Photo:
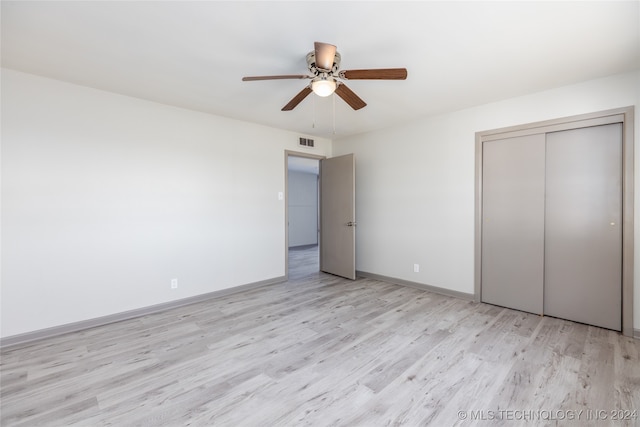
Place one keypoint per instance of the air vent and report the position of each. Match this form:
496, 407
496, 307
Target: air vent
306, 142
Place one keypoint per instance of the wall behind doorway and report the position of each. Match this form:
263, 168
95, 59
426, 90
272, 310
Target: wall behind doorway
303, 208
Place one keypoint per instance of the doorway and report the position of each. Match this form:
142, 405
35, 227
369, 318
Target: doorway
333, 190
303, 214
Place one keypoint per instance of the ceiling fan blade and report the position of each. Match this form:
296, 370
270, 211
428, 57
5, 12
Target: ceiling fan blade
350, 97
325, 54
375, 74
297, 99
283, 77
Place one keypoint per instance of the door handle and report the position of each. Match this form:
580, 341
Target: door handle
351, 224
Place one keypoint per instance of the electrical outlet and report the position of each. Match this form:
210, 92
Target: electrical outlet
416, 268
174, 283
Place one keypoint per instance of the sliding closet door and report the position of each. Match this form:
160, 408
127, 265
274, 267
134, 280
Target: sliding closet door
513, 222
583, 227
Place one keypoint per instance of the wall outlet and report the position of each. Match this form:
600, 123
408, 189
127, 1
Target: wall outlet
174, 283
416, 268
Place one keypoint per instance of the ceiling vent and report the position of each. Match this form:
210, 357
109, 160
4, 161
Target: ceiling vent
306, 142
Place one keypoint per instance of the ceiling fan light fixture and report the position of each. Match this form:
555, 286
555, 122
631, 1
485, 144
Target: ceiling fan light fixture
326, 77
322, 86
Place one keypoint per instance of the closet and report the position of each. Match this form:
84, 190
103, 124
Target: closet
551, 218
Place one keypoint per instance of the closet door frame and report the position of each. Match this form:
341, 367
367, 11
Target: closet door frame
621, 115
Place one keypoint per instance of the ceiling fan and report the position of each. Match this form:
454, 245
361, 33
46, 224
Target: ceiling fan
324, 65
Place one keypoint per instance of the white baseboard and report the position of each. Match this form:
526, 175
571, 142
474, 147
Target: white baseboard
27, 337
421, 286
118, 317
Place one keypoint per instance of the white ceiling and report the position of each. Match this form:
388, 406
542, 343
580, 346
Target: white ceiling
194, 54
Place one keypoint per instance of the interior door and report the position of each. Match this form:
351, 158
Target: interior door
583, 254
338, 216
513, 222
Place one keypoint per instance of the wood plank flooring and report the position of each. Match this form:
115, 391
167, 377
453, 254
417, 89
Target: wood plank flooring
321, 350
303, 261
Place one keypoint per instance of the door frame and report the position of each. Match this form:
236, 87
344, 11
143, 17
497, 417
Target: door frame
287, 154
623, 115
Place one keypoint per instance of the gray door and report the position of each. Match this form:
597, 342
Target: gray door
513, 222
583, 236
337, 216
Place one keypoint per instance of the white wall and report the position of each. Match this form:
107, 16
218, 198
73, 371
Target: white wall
303, 208
415, 182
106, 198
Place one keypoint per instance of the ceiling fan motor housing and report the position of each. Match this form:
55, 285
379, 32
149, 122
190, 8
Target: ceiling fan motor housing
311, 63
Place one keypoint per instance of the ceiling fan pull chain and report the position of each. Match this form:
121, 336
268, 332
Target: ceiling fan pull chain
313, 113
334, 113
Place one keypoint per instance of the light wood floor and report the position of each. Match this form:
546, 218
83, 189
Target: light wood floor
303, 261
320, 350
